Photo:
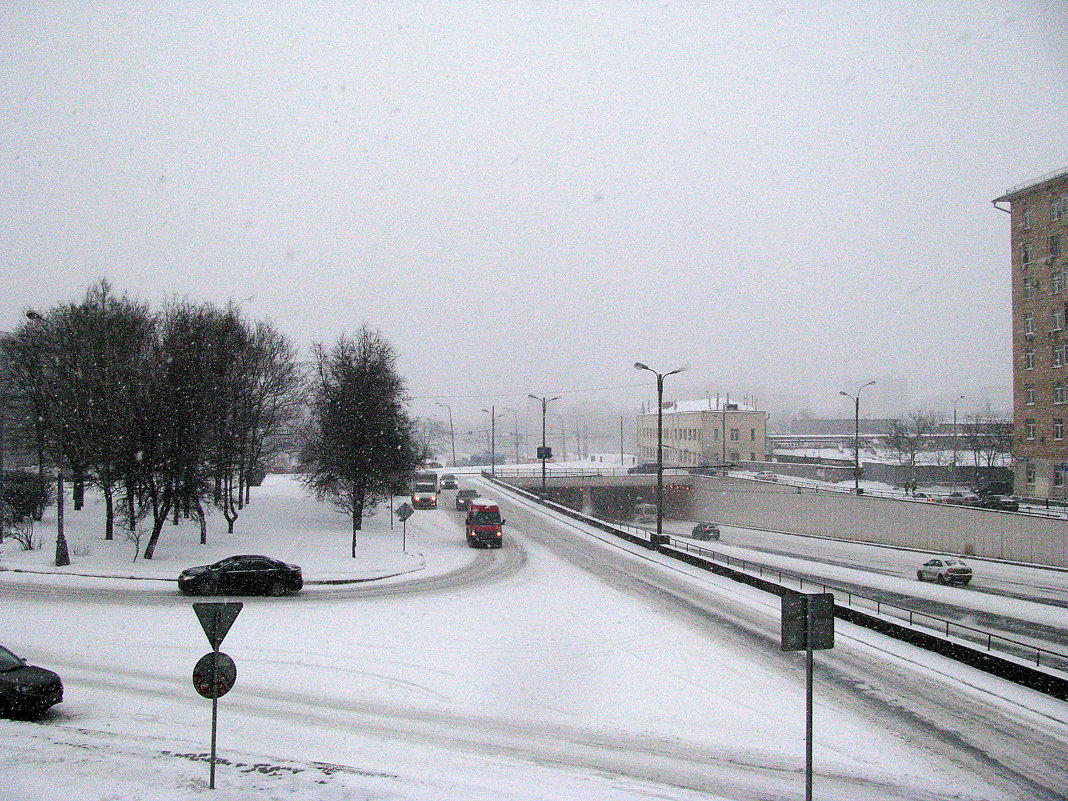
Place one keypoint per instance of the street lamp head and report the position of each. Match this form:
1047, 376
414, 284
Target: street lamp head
33, 315
677, 370
640, 366
843, 392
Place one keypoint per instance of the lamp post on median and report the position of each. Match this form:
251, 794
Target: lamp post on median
856, 435
492, 412
953, 479
543, 451
659, 537
452, 433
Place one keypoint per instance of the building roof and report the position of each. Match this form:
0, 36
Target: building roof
702, 405
836, 427
1036, 183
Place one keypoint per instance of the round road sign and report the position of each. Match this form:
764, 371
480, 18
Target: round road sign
214, 674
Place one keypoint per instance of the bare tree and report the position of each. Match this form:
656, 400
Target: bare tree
989, 438
359, 443
907, 438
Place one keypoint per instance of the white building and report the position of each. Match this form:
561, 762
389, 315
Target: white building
705, 431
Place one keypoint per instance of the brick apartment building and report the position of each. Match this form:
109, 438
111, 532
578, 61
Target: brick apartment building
704, 432
1039, 234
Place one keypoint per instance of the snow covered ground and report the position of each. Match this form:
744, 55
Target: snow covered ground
439, 672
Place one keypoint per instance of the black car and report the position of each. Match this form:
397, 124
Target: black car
24, 688
463, 499
247, 574
448, 481
705, 531
1002, 503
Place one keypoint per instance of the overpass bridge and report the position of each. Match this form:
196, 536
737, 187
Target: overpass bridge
811, 510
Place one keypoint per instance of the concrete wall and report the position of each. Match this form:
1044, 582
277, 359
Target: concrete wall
914, 524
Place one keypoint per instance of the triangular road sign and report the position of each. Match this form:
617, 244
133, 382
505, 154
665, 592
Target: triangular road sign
216, 619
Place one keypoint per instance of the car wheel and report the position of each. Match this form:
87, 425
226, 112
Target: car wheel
940, 578
209, 587
277, 588
919, 575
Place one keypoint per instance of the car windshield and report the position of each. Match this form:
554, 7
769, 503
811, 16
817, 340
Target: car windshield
486, 517
424, 487
8, 661
954, 563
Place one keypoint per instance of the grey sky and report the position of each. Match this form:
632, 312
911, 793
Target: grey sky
791, 199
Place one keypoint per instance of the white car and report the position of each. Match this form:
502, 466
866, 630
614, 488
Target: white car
766, 477
944, 570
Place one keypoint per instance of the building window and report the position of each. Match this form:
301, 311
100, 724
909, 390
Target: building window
1030, 286
752, 435
1058, 318
1058, 428
734, 435
1025, 256
1029, 473
1029, 428
1056, 282
1029, 360
1058, 477
1060, 354
1029, 324
1029, 395
1027, 218
1054, 245
1058, 206
752, 457
1059, 395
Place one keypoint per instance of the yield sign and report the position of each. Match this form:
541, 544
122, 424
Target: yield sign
216, 620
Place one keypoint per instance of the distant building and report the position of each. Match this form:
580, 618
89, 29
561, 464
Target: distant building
703, 432
1038, 220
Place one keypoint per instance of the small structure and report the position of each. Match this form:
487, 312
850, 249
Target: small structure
707, 431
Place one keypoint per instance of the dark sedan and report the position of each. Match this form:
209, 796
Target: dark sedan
242, 575
705, 531
24, 688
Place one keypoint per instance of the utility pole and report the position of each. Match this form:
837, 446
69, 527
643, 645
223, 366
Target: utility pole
543, 451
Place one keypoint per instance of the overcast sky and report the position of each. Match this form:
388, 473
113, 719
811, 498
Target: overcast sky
791, 199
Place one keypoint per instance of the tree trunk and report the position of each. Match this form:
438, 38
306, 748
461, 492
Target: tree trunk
79, 491
109, 512
202, 518
157, 527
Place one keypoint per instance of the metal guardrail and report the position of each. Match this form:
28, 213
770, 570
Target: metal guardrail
915, 619
993, 643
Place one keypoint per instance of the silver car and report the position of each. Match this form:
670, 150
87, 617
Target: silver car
944, 570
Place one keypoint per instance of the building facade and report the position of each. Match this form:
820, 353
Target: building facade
704, 432
1039, 233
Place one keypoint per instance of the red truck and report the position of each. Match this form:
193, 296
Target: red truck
484, 524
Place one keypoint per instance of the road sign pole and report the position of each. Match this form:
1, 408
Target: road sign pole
808, 727
404, 535
214, 727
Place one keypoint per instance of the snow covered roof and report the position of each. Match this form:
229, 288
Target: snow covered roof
701, 405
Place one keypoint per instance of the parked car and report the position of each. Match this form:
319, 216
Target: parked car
705, 531
247, 574
1003, 503
767, 477
945, 571
960, 498
448, 481
464, 498
645, 467
26, 689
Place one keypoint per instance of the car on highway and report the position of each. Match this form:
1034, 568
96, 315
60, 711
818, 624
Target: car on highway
944, 570
26, 689
705, 531
1002, 503
766, 476
245, 574
448, 481
464, 498
961, 499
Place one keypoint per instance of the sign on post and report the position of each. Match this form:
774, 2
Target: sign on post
807, 625
404, 511
545, 452
215, 673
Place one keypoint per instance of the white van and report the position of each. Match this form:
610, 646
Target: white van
645, 513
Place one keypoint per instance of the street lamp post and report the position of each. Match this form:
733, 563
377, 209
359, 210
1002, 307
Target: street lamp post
856, 435
953, 478
492, 412
452, 434
544, 450
62, 553
659, 538
515, 414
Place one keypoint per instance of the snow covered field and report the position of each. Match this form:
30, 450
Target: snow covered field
447, 673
